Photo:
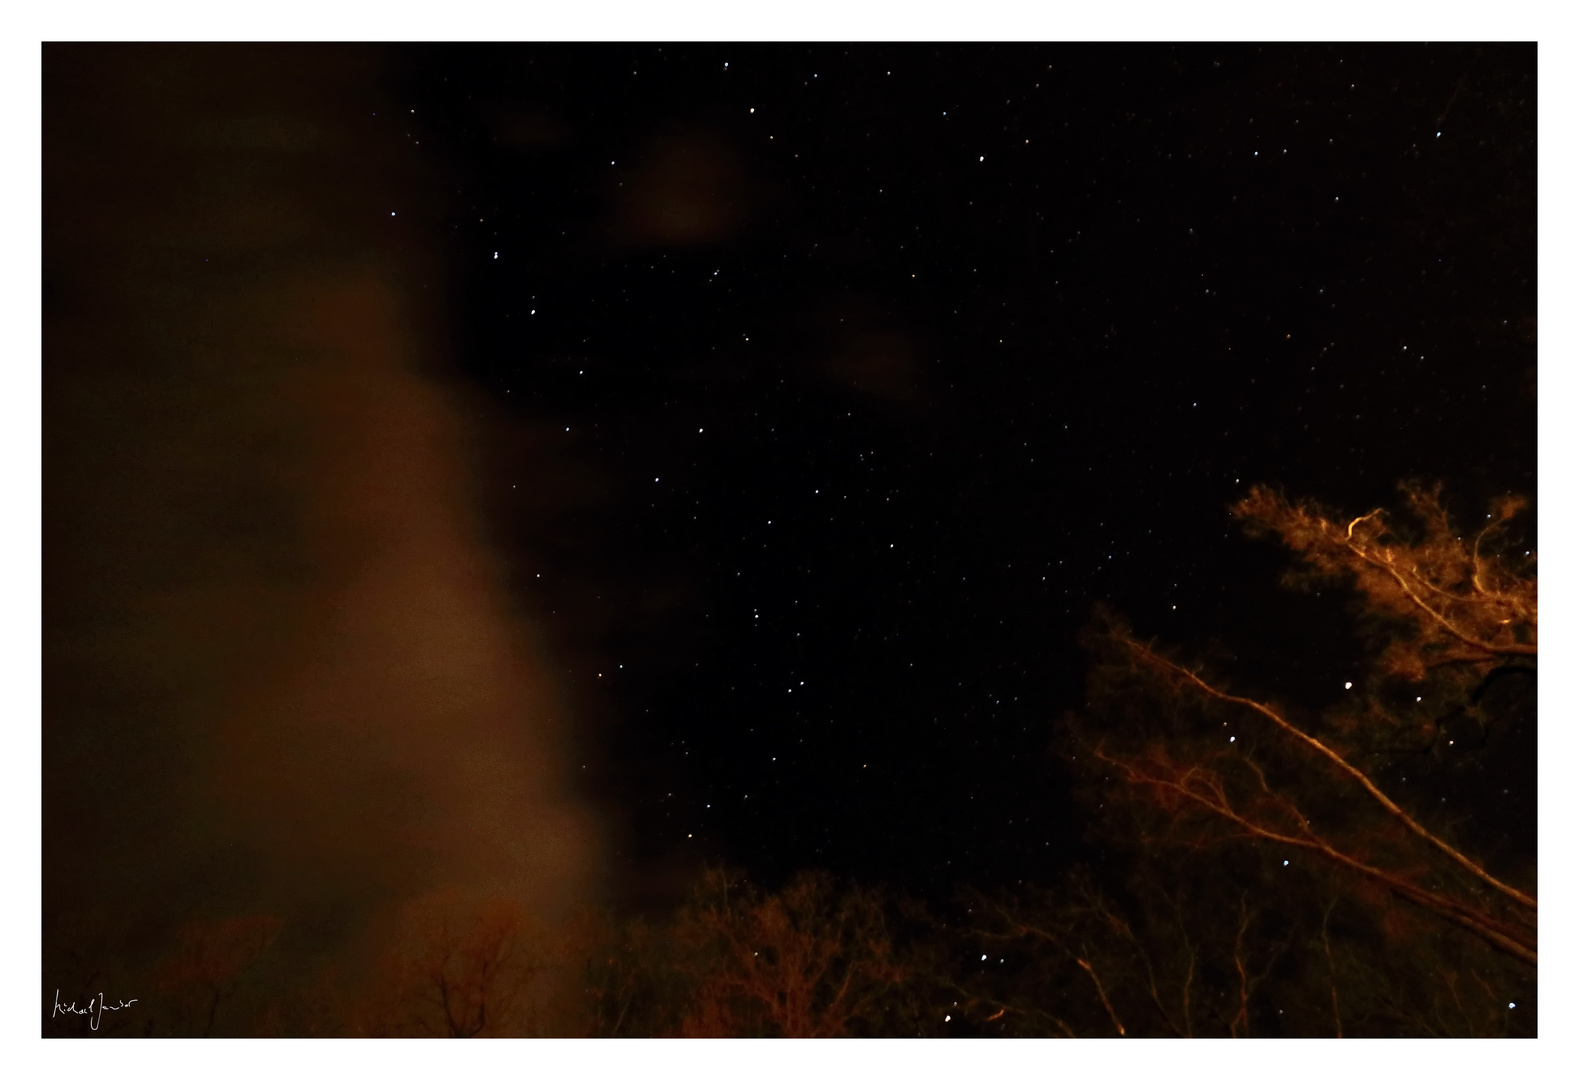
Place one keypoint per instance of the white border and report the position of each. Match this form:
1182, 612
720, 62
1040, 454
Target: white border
804, 20
810, 20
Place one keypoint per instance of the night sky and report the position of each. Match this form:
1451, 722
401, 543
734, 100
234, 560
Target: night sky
886, 363
549, 470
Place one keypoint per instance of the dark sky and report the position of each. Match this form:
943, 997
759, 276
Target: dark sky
540, 470
878, 366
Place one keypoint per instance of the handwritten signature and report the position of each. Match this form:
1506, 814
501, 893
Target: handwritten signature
94, 1012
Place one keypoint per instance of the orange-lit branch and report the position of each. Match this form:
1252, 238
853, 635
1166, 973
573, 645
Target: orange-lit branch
1413, 579
1147, 655
1243, 1016
1205, 790
1106, 1004
1123, 928
1386, 564
1004, 1008
1017, 928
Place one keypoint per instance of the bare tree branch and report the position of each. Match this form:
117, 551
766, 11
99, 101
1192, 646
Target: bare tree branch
1215, 800
1151, 657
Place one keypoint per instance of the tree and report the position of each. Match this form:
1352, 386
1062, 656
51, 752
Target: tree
456, 969
807, 961
1303, 820
804, 962
206, 969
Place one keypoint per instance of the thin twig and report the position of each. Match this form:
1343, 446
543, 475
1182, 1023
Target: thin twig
1239, 965
1106, 1004
1332, 972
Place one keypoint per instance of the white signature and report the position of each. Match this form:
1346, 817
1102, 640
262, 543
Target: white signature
94, 1012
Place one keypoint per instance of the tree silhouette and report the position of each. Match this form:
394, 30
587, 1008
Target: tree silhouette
457, 969
807, 961
804, 962
204, 972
